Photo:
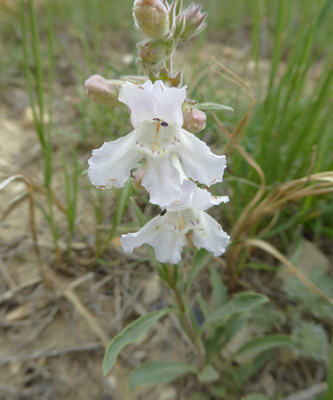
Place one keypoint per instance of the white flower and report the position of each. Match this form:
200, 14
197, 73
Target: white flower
157, 118
166, 234
191, 195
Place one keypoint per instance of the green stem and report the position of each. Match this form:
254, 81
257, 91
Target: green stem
169, 63
185, 318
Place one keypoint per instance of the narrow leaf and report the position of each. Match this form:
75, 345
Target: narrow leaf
268, 342
219, 295
200, 259
139, 214
241, 302
129, 335
126, 192
204, 306
213, 107
154, 372
260, 266
244, 372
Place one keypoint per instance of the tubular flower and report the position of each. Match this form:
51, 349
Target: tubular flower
192, 196
166, 234
158, 137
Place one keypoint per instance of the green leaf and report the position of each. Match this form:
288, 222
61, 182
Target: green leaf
242, 302
219, 295
208, 374
131, 334
213, 107
154, 372
125, 194
200, 259
204, 306
234, 325
244, 372
255, 396
260, 266
268, 342
139, 214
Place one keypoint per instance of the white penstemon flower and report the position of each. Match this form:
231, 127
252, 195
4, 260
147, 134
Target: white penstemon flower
166, 233
158, 137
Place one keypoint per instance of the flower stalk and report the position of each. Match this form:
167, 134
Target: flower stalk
185, 319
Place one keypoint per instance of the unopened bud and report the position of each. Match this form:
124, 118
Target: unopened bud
194, 119
152, 51
138, 176
103, 91
194, 21
151, 17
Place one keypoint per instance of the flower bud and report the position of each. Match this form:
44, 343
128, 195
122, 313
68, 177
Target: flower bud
152, 51
151, 17
137, 177
194, 21
103, 91
194, 119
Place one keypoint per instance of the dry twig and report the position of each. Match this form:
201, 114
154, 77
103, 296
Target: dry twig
47, 353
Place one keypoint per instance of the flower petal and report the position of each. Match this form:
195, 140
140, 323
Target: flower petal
167, 244
140, 101
153, 100
169, 102
110, 165
211, 235
201, 199
195, 198
198, 162
162, 180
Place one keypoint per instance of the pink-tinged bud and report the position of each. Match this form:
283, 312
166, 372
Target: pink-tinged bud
103, 91
194, 119
194, 21
152, 51
137, 177
152, 18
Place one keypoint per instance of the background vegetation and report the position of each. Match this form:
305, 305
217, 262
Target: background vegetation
272, 63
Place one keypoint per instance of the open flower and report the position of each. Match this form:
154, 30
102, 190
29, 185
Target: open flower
166, 234
157, 119
193, 196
